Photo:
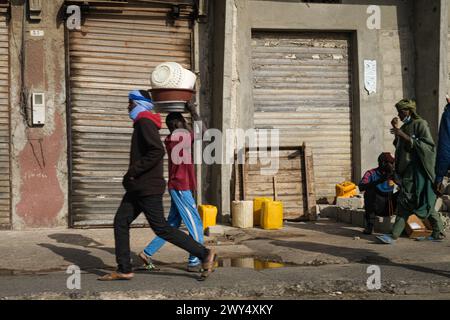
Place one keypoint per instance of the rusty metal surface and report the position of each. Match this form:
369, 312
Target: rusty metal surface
5, 187
302, 86
112, 55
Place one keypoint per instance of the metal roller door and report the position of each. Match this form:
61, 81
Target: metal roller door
5, 188
114, 53
302, 86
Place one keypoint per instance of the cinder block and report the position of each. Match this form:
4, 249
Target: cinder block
344, 215
328, 212
226, 263
358, 218
215, 231
384, 224
351, 203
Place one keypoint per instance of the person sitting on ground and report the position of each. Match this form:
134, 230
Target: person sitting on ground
182, 184
378, 187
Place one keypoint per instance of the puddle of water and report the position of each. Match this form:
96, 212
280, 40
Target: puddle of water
249, 263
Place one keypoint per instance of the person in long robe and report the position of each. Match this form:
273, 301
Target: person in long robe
415, 154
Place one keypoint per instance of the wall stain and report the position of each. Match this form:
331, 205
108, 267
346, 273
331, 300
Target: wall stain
41, 196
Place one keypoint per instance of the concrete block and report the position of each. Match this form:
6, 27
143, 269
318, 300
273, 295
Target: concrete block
215, 231
226, 263
358, 218
328, 211
344, 215
351, 203
384, 224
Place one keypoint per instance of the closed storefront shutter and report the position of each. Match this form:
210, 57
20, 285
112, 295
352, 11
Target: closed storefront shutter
115, 52
302, 86
5, 194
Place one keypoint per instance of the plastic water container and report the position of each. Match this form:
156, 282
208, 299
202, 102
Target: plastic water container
257, 206
346, 189
242, 214
208, 214
272, 215
171, 75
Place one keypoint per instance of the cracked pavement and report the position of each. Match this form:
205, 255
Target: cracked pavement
323, 260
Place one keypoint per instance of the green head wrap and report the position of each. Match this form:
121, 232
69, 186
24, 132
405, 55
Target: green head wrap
410, 105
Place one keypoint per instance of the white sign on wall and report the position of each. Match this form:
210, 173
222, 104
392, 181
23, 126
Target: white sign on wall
370, 76
37, 33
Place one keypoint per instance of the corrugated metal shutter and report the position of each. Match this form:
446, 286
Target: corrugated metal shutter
302, 86
115, 52
5, 188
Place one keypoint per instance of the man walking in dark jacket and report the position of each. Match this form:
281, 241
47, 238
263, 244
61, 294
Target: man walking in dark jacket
145, 185
443, 150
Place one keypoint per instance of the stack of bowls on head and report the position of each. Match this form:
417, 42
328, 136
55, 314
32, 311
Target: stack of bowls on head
173, 86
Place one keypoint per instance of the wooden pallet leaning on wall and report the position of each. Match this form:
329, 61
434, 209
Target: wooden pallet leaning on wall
292, 183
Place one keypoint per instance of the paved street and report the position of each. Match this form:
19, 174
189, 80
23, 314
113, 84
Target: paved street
323, 260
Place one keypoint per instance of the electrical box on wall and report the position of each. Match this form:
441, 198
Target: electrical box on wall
38, 109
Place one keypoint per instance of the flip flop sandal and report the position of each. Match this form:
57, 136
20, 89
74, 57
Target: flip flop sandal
430, 238
385, 239
114, 276
148, 264
208, 268
151, 267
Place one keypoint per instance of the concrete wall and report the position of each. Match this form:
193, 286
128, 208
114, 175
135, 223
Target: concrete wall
204, 61
431, 51
392, 46
398, 73
40, 192
39, 155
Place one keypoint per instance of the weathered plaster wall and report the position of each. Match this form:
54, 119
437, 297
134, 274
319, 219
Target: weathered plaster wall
431, 37
205, 57
222, 44
39, 155
398, 74
387, 45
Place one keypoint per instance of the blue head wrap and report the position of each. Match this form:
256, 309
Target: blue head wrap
142, 104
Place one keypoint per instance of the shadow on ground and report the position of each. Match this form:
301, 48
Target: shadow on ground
81, 258
92, 264
331, 227
354, 255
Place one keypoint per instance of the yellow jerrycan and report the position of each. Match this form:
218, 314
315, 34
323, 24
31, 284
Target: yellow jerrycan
257, 207
272, 215
208, 214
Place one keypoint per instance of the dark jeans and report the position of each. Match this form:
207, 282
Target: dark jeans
152, 206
